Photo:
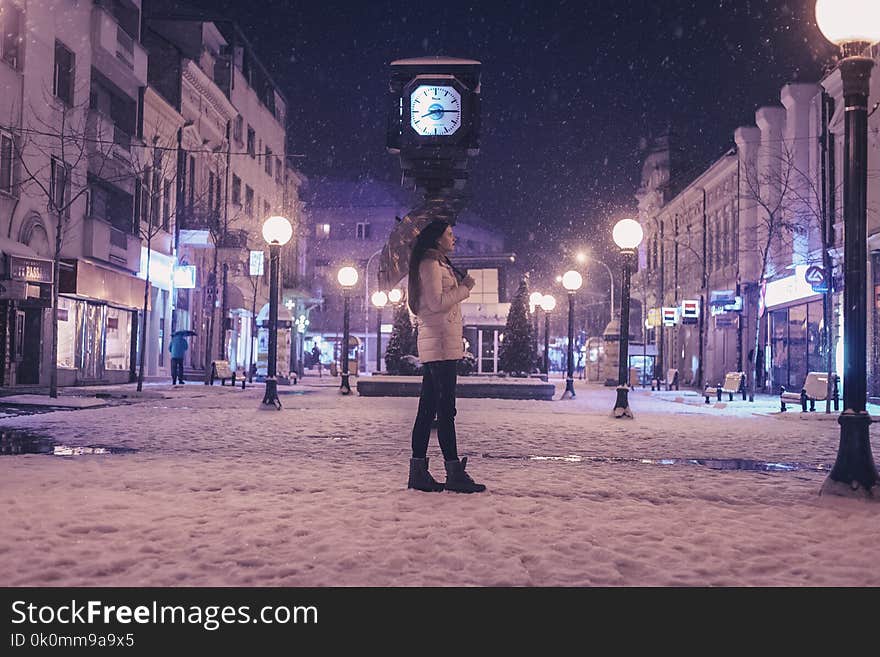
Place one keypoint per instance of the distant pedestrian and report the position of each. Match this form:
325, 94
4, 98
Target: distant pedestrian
178, 349
316, 354
436, 290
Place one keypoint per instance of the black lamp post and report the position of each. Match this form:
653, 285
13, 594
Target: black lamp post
627, 235
379, 299
852, 28
548, 303
277, 231
347, 278
572, 282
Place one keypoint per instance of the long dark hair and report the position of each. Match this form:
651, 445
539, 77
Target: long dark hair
427, 239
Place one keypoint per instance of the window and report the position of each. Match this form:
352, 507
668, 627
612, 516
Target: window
59, 186
238, 129
267, 209
10, 34
248, 201
268, 163
278, 178
363, 231
322, 231
236, 190
166, 206
210, 190
62, 82
251, 142
6, 162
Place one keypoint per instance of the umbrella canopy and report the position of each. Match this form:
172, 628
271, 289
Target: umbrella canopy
185, 334
394, 261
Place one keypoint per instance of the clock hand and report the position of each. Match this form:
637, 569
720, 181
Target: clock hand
438, 112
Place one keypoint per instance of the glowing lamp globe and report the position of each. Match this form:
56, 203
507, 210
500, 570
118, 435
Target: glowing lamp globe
627, 234
395, 295
548, 302
535, 299
277, 230
572, 281
379, 299
347, 277
849, 21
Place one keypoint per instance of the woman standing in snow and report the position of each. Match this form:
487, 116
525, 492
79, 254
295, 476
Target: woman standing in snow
436, 290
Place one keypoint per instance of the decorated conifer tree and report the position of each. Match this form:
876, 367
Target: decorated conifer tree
401, 343
517, 353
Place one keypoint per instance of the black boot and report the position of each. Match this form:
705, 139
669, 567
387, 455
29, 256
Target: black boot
420, 478
458, 480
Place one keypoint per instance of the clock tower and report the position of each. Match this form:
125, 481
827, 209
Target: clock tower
434, 121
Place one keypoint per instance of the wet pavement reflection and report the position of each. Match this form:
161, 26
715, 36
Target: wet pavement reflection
16, 443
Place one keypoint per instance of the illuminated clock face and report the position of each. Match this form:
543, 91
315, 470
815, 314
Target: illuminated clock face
435, 110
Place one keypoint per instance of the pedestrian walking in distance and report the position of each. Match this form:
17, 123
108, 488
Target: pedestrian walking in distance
436, 290
178, 349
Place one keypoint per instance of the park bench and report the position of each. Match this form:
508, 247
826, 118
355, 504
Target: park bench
815, 389
670, 381
734, 383
220, 370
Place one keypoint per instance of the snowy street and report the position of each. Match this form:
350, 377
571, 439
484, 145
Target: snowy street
220, 493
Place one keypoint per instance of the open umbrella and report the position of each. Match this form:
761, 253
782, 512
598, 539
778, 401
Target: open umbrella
185, 334
394, 261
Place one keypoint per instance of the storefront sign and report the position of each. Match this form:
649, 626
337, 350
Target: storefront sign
728, 320
690, 311
724, 301
185, 277
670, 316
788, 289
30, 269
257, 261
815, 276
653, 319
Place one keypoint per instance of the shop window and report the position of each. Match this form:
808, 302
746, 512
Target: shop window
66, 332
118, 344
322, 231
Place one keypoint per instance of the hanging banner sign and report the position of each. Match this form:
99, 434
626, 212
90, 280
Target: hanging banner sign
257, 260
690, 311
670, 316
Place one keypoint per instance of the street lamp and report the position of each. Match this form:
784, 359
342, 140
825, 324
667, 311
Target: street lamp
379, 299
348, 278
627, 235
582, 258
548, 303
853, 25
572, 282
395, 296
277, 232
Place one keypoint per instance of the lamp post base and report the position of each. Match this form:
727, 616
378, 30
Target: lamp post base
854, 473
345, 387
270, 398
621, 406
569, 389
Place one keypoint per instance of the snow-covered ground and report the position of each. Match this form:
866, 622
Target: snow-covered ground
221, 493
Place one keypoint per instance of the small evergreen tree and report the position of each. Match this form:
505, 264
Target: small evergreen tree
517, 353
401, 343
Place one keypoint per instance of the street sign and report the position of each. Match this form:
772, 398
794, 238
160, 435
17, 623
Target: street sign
653, 319
727, 320
815, 276
690, 311
670, 316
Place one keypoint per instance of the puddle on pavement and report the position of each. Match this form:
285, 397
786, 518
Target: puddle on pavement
14, 443
714, 464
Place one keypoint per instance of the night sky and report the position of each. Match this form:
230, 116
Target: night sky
569, 90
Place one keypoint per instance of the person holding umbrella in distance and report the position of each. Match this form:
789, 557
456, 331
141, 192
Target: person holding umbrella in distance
178, 349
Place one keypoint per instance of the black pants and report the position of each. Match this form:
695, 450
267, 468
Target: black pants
438, 398
176, 370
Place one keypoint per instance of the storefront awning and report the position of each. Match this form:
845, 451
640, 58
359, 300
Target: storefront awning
91, 281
